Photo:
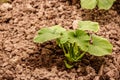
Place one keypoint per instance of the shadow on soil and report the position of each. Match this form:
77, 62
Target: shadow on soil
56, 57
117, 6
49, 55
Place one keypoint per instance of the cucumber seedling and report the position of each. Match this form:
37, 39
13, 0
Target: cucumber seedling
75, 43
102, 4
91, 4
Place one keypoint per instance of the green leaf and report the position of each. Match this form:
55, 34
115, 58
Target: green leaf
57, 29
105, 4
88, 25
88, 4
50, 33
64, 37
78, 36
100, 46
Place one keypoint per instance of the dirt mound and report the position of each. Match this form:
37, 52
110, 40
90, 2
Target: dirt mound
21, 59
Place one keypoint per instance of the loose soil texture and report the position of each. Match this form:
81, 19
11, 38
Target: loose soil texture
22, 59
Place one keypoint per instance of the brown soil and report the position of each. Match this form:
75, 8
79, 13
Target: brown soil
21, 59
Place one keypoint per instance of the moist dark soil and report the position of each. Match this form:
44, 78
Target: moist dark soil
22, 59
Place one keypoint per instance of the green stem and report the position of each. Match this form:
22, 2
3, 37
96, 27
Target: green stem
81, 55
63, 49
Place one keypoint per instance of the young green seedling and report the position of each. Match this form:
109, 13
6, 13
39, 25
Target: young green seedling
75, 43
91, 4
102, 4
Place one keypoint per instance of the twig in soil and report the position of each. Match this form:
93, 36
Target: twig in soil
101, 70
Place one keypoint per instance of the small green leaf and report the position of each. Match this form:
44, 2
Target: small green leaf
78, 36
105, 4
50, 33
88, 25
67, 65
88, 4
100, 46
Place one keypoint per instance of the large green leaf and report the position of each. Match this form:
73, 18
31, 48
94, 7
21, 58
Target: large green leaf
88, 25
105, 4
100, 46
88, 4
65, 37
78, 36
50, 33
